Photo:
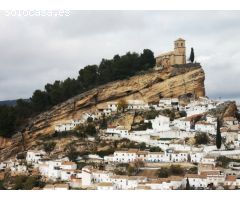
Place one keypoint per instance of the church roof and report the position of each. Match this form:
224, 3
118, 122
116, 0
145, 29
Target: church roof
180, 39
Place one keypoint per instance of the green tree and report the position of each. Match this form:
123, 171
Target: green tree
218, 136
88, 76
163, 173
191, 58
19, 182
103, 123
31, 182
201, 138
119, 67
26, 182
105, 71
147, 59
188, 185
40, 101
142, 146
49, 146
176, 170
2, 185
122, 105
155, 149
90, 130
7, 121
72, 153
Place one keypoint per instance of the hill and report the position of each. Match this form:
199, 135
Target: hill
150, 86
8, 103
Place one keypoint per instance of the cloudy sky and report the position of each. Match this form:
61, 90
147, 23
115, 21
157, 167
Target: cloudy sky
38, 50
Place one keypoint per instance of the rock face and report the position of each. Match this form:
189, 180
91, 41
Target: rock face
150, 87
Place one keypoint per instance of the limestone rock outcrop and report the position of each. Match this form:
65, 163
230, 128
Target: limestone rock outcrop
149, 86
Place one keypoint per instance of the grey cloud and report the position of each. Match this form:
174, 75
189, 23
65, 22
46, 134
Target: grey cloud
37, 50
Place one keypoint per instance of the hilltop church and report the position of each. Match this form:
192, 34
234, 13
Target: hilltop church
175, 57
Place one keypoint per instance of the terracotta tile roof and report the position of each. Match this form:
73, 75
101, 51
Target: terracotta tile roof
190, 118
49, 186
61, 185
143, 187
205, 123
68, 163
36, 188
142, 152
156, 153
195, 176
136, 178
231, 178
229, 119
111, 126
101, 171
75, 180
210, 172
209, 157
180, 151
119, 177
132, 150
103, 184
175, 178
158, 181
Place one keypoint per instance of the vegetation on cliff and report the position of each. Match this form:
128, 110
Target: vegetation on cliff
117, 68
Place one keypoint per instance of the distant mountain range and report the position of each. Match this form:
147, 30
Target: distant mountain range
10, 102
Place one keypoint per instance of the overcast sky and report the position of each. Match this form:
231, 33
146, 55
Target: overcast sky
38, 50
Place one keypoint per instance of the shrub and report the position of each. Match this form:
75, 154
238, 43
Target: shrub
2, 185
163, 173
151, 114
49, 146
27, 182
107, 152
176, 170
201, 138
72, 154
80, 165
90, 130
183, 113
142, 146
193, 170
155, 149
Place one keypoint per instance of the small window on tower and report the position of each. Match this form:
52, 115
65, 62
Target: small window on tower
182, 44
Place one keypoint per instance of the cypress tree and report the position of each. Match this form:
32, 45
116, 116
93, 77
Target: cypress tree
218, 136
188, 185
191, 58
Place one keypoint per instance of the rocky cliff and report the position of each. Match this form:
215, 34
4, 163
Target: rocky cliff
150, 87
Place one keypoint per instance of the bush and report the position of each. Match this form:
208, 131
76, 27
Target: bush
151, 114
172, 170
155, 149
27, 182
72, 154
142, 146
193, 170
183, 113
107, 152
90, 130
80, 165
223, 161
201, 138
163, 173
176, 170
2, 185
49, 146
143, 126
